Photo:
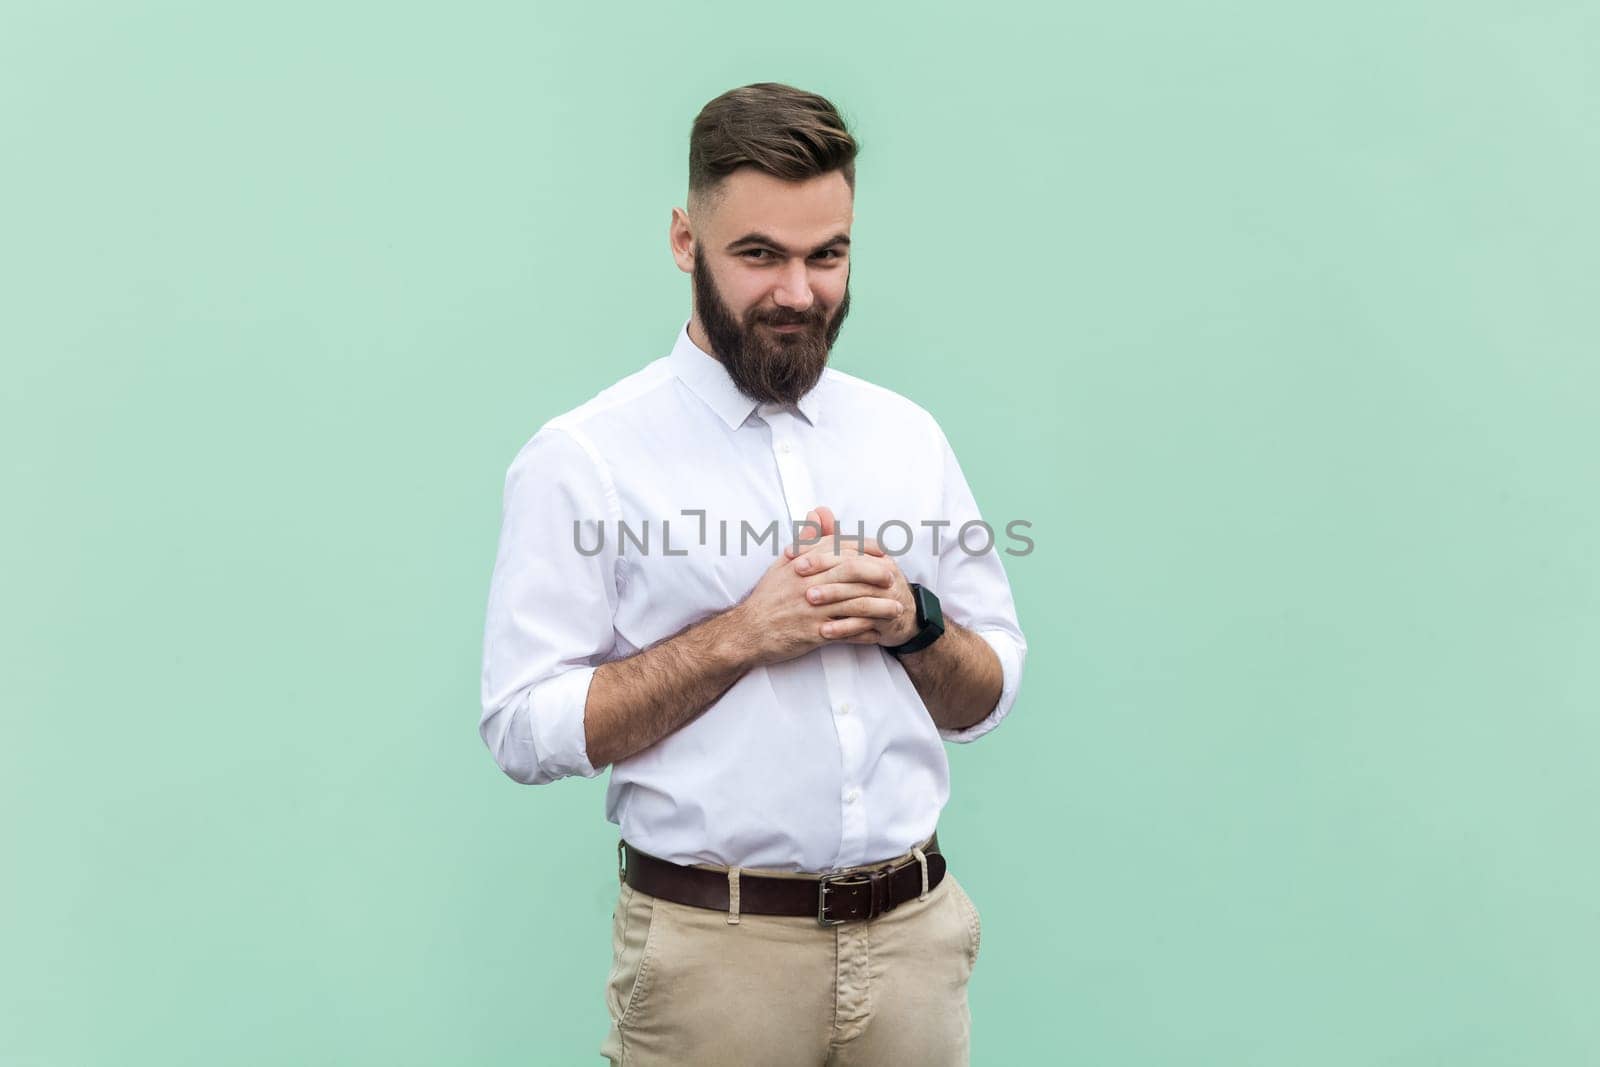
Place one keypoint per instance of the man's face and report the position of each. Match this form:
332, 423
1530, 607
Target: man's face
772, 279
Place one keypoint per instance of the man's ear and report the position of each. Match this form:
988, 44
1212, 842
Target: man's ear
680, 239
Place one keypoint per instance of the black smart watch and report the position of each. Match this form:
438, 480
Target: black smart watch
930, 622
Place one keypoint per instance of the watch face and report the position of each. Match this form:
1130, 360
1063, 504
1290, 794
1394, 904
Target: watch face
931, 609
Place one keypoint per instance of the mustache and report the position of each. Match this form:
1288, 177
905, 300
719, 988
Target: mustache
803, 320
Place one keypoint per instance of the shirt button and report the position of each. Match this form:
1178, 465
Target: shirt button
844, 708
783, 449
852, 796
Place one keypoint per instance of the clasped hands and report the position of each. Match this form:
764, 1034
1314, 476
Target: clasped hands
813, 595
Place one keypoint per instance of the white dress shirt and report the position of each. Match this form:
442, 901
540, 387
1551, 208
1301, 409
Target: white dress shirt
826, 761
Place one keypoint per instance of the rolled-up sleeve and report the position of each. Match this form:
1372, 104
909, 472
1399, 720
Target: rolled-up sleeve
973, 591
552, 603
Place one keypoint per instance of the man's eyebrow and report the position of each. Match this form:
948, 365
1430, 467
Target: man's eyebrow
763, 239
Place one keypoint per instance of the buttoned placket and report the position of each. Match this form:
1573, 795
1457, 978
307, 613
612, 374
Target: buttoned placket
838, 662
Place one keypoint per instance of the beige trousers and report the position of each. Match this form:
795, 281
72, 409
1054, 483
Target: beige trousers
688, 986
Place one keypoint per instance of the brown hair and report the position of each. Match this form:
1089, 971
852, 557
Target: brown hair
783, 131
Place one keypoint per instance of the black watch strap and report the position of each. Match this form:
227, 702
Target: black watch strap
930, 622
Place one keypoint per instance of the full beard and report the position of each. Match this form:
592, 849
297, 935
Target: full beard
767, 366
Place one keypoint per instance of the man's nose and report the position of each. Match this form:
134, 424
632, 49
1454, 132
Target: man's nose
794, 288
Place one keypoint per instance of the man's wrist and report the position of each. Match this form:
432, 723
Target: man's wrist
897, 631
732, 641
927, 624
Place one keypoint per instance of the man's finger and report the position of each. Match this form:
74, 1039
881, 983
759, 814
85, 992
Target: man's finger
844, 542
818, 526
835, 590
866, 607
849, 568
846, 627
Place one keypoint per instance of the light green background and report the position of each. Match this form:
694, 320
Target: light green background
1277, 321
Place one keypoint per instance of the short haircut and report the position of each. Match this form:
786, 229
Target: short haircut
778, 129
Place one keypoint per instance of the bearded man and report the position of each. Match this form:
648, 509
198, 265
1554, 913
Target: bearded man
773, 719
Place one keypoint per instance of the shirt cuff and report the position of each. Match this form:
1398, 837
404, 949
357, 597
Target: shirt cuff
1010, 654
555, 720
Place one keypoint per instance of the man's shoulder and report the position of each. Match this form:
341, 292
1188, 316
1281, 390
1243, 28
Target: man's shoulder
581, 434
628, 398
857, 395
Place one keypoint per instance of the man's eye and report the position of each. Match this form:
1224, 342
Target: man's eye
829, 253
756, 252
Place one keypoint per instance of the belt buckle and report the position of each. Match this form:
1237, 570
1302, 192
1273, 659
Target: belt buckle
827, 881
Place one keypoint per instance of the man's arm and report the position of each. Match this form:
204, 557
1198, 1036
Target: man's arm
968, 678
958, 677
551, 611
554, 704
635, 702
975, 596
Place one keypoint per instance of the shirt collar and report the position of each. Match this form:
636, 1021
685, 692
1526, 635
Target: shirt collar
708, 378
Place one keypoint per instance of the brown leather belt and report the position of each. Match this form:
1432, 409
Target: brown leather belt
852, 894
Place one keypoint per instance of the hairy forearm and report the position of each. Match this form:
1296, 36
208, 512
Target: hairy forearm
634, 702
958, 677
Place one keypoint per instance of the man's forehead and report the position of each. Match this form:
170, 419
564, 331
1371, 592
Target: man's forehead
793, 213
